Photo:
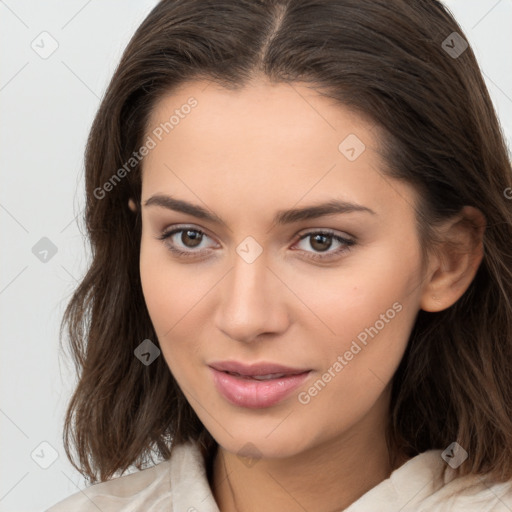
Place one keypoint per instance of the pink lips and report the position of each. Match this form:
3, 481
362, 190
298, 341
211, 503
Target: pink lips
246, 390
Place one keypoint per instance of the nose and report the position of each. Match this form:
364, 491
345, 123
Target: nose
252, 302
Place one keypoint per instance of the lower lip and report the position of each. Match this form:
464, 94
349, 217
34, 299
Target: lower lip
256, 394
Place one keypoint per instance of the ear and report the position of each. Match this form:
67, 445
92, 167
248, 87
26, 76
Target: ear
131, 205
456, 262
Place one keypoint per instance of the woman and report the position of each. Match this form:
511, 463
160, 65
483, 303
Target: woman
299, 297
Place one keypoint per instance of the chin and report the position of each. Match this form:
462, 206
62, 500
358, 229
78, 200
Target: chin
261, 445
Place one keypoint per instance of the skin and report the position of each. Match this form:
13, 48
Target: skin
245, 155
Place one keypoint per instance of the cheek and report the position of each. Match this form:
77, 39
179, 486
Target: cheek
169, 288
360, 359
352, 297
364, 312
173, 295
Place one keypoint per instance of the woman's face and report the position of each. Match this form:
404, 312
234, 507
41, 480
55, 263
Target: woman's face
251, 290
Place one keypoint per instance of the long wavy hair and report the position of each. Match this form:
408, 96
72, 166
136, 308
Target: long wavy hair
389, 61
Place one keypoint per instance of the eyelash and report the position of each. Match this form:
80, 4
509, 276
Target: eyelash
348, 243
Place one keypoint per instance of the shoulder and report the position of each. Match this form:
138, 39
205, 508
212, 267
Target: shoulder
447, 491
426, 483
472, 493
148, 489
118, 494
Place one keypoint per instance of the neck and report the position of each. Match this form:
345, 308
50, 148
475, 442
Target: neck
327, 477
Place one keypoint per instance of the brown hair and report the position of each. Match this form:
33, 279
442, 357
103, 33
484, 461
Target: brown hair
386, 60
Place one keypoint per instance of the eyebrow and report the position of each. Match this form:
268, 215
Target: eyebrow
282, 217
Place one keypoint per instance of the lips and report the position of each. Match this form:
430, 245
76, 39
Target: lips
256, 386
259, 377
258, 370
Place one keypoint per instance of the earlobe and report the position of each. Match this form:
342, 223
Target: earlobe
131, 205
457, 261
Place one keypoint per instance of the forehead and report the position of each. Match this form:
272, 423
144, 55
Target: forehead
264, 143
290, 112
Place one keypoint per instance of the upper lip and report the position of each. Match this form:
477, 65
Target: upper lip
250, 370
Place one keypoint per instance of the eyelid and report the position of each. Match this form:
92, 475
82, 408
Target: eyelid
176, 228
184, 227
300, 234
345, 239
329, 231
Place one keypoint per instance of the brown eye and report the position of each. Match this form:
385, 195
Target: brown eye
185, 241
321, 242
191, 237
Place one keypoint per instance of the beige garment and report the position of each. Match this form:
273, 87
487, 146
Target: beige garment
424, 483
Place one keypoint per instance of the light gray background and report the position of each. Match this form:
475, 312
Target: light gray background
47, 106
